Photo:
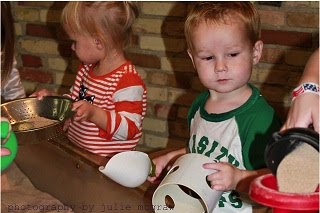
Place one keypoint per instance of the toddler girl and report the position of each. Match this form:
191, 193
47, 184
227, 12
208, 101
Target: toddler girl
110, 95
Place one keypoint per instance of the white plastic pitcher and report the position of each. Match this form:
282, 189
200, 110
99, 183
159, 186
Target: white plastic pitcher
129, 169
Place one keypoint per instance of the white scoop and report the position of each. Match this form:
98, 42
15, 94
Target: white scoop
129, 169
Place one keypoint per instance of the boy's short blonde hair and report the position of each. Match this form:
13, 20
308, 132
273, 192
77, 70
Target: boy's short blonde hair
221, 13
105, 20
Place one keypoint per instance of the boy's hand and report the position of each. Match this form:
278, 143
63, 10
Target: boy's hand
41, 93
83, 110
226, 176
160, 162
165, 161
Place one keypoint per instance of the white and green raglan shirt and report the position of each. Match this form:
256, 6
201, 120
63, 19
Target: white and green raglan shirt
238, 137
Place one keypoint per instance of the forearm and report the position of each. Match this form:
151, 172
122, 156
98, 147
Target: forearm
311, 71
99, 117
177, 153
247, 177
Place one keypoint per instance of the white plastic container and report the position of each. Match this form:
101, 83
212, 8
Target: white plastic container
185, 188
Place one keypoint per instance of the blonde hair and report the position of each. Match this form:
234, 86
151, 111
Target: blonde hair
222, 13
109, 20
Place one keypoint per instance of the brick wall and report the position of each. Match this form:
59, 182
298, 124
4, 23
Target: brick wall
290, 32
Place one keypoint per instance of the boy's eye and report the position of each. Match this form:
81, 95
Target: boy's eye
233, 54
208, 58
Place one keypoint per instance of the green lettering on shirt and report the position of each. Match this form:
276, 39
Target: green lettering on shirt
224, 153
235, 200
213, 147
233, 161
203, 143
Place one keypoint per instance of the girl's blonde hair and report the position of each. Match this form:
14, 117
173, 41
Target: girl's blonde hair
109, 20
222, 13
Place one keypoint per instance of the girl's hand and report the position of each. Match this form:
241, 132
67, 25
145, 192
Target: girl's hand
41, 93
303, 112
83, 110
66, 124
226, 176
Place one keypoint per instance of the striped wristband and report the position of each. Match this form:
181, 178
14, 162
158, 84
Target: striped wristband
305, 88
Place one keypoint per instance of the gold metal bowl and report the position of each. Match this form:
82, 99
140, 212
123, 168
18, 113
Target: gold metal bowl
35, 120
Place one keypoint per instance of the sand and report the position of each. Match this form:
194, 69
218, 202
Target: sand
33, 123
298, 172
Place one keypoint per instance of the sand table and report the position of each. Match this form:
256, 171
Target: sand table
19, 195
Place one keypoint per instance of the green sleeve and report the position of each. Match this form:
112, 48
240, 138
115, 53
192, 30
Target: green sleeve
255, 133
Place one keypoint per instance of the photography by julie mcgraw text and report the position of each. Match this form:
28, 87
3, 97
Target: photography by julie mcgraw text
104, 207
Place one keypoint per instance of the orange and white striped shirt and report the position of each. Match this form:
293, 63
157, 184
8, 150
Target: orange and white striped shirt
122, 94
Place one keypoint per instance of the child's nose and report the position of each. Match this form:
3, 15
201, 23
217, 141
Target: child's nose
220, 66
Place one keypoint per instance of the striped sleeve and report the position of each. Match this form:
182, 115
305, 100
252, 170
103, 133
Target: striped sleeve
125, 121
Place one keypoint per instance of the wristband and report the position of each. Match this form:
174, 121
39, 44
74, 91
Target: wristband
305, 88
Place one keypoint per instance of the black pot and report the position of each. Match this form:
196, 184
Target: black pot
285, 142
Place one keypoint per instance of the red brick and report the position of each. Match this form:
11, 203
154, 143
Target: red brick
36, 75
303, 20
185, 99
197, 85
157, 78
40, 31
31, 61
273, 93
297, 57
56, 4
144, 60
59, 4
296, 4
272, 55
35, 3
65, 49
273, 18
180, 80
61, 34
135, 40
173, 28
149, 111
183, 112
287, 38
179, 128
166, 111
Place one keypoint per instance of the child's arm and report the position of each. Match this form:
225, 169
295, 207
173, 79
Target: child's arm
163, 161
85, 111
125, 121
228, 177
305, 107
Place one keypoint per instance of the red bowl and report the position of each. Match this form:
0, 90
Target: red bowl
264, 190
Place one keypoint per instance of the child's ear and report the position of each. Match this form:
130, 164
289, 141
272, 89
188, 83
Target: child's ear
257, 51
191, 57
98, 42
